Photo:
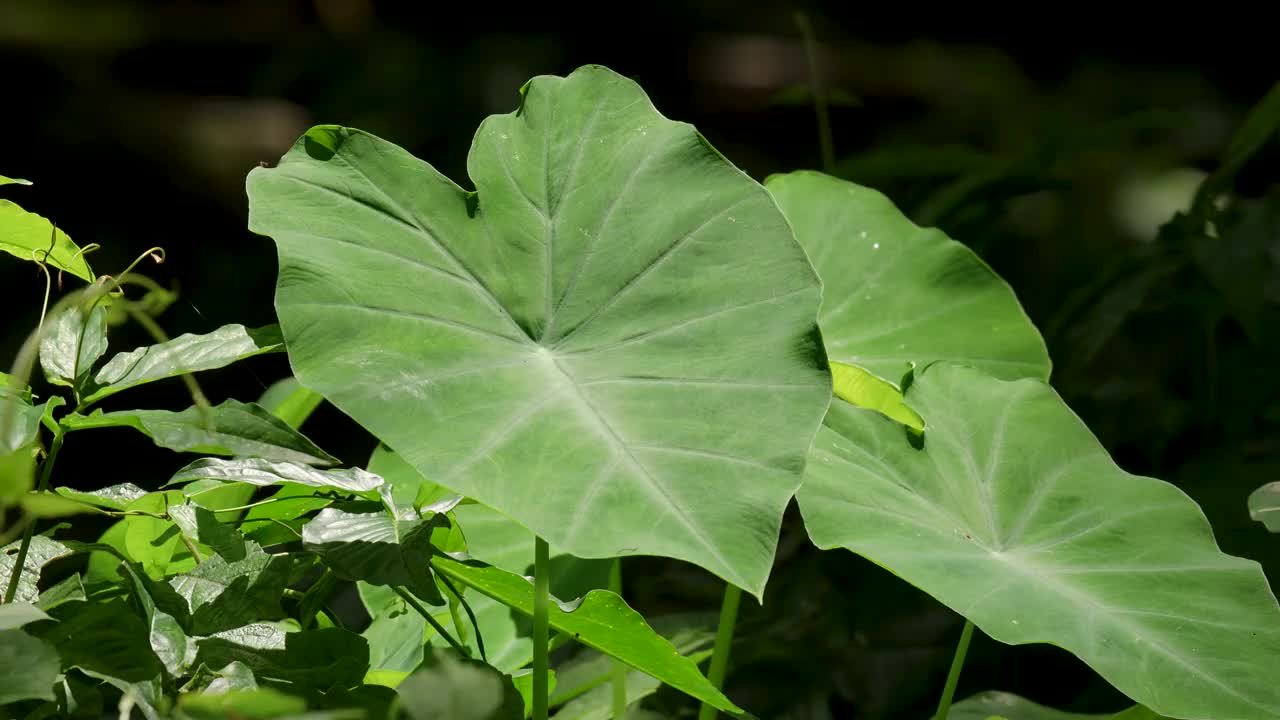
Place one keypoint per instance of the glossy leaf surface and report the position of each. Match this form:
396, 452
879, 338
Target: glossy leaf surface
231, 428
183, 354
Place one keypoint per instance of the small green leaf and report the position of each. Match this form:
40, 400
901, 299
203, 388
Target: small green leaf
183, 354
112, 497
454, 688
19, 418
29, 667
859, 387
235, 676
28, 236
231, 428
1264, 506
288, 400
397, 634
13, 181
262, 472
16, 614
51, 505
41, 552
17, 475
73, 342
281, 519
377, 548
601, 620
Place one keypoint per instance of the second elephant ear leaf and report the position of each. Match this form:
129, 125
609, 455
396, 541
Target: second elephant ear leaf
897, 296
613, 340
1011, 513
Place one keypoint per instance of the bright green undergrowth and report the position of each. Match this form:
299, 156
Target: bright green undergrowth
616, 344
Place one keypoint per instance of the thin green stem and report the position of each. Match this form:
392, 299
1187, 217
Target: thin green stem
541, 611
475, 624
724, 640
619, 668
413, 603
949, 690
819, 94
20, 562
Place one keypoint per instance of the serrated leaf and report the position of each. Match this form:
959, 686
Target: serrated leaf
311, 658
41, 552
73, 342
231, 428
455, 688
377, 548
1013, 514
16, 614
612, 272
29, 667
223, 595
183, 354
600, 620
28, 236
1264, 506
261, 472
896, 295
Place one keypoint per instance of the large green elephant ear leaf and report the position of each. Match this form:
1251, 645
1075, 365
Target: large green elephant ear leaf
578, 342
897, 295
1012, 514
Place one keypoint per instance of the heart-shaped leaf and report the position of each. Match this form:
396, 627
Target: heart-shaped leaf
1012, 514
897, 295
230, 428
183, 354
573, 344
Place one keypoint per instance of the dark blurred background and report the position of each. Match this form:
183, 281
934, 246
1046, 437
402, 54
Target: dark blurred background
1061, 148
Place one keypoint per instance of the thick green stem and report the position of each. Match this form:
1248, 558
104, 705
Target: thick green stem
724, 640
413, 603
20, 561
619, 668
541, 610
949, 691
